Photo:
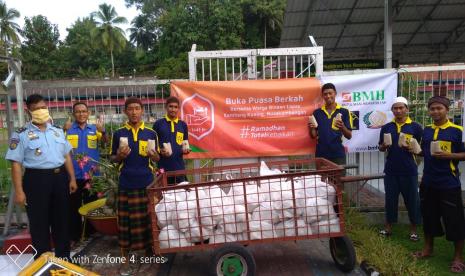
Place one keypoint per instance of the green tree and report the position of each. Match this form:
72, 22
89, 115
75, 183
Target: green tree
107, 33
84, 58
266, 15
39, 49
141, 34
8, 29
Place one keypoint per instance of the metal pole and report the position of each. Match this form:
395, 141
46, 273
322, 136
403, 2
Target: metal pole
387, 33
11, 206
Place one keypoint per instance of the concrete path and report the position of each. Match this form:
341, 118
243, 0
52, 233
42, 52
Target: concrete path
310, 257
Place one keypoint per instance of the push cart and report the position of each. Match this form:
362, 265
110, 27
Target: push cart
286, 201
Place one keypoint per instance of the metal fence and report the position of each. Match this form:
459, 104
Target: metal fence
105, 98
255, 64
417, 84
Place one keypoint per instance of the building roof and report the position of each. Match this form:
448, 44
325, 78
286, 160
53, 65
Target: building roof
423, 31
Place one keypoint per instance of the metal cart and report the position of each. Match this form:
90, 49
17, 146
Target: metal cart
231, 255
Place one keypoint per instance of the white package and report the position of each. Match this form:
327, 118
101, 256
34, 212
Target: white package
287, 228
150, 144
387, 139
318, 209
327, 226
402, 140
170, 237
184, 212
435, 147
123, 142
415, 146
193, 232
265, 212
185, 145
261, 229
234, 219
166, 207
311, 119
167, 147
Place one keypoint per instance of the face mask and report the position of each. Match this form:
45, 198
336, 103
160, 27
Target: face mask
40, 116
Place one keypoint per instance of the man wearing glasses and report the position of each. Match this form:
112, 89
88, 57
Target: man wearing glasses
84, 138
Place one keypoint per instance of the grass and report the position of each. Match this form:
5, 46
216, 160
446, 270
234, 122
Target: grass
439, 263
392, 255
385, 255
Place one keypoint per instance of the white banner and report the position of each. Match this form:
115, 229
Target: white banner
369, 97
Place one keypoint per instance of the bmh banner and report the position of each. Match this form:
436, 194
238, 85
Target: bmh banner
228, 119
369, 97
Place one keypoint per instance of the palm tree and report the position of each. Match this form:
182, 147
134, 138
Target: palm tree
8, 29
140, 33
271, 14
107, 33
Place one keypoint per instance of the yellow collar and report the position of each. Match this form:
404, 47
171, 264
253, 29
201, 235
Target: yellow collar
408, 121
135, 131
332, 112
444, 126
128, 126
171, 121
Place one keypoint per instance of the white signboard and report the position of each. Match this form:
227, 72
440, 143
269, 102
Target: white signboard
369, 97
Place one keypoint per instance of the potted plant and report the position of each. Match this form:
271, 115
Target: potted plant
103, 182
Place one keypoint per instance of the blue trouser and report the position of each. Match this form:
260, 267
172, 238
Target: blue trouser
407, 185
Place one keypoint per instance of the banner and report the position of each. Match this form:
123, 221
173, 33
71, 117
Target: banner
228, 119
369, 97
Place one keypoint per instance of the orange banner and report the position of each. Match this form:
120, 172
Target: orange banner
228, 119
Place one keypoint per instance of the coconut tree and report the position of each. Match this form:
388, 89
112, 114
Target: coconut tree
140, 33
8, 29
107, 34
270, 13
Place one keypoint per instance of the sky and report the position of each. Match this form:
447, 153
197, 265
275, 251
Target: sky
65, 12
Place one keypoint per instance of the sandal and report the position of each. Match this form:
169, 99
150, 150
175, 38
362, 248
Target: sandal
457, 267
385, 233
414, 237
418, 255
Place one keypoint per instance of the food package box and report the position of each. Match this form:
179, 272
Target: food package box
123, 142
387, 139
311, 119
415, 146
435, 147
402, 140
167, 147
185, 145
151, 144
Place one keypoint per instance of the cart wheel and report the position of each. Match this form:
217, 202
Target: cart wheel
343, 253
232, 260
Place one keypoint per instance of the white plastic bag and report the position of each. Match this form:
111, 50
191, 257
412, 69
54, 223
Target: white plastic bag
234, 219
288, 228
193, 233
327, 226
318, 209
265, 212
170, 237
261, 229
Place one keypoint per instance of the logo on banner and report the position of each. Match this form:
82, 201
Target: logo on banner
363, 96
375, 119
199, 114
346, 97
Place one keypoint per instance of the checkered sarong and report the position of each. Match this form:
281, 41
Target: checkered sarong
134, 232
